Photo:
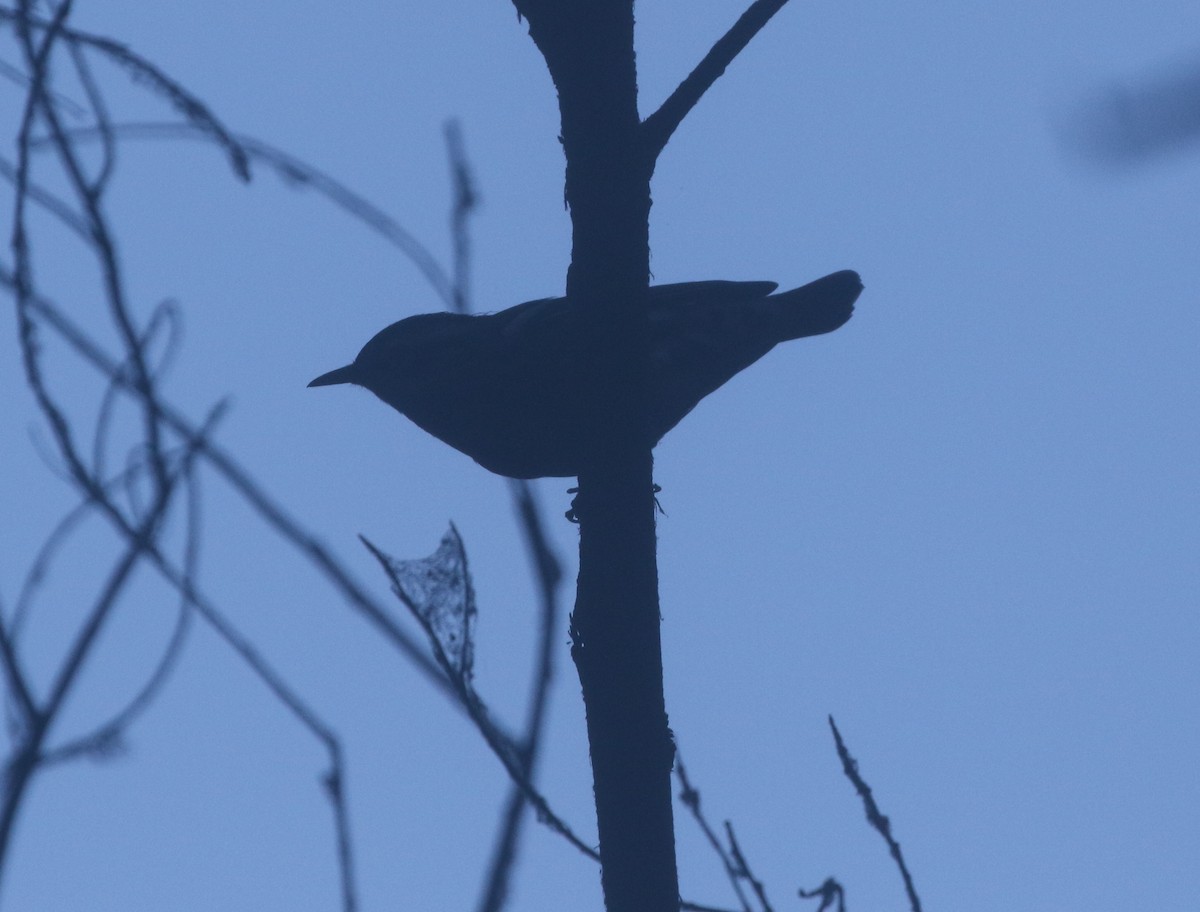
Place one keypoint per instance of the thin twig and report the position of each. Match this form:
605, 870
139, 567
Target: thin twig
22, 275
228, 467
100, 112
18, 681
690, 796
297, 172
46, 200
874, 816
744, 868
27, 757
334, 779
101, 240
831, 894
103, 736
500, 743
183, 582
466, 200
164, 315
658, 127
548, 573
191, 107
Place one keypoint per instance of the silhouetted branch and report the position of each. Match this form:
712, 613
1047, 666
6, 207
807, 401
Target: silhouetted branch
183, 581
238, 478
334, 780
100, 112
466, 199
45, 199
191, 107
874, 815
830, 893
659, 126
164, 315
501, 744
142, 521
104, 736
133, 374
743, 868
14, 674
690, 797
548, 574
27, 754
294, 171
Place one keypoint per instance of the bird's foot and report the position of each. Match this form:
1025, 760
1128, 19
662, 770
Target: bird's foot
572, 514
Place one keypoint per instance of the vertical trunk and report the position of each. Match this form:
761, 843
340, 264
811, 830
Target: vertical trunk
588, 47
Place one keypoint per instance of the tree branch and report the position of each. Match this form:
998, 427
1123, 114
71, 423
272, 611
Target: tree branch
659, 126
875, 817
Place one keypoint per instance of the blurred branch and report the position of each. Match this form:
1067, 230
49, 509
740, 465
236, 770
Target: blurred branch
192, 108
501, 744
874, 816
1130, 124
743, 869
296, 172
105, 736
21, 282
546, 565
135, 377
466, 201
548, 574
689, 796
26, 755
233, 473
830, 893
334, 780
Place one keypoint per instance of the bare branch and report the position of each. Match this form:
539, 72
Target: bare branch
101, 239
548, 573
500, 743
271, 512
299, 173
466, 200
334, 779
874, 816
830, 893
659, 126
22, 276
103, 736
193, 110
743, 868
165, 317
690, 797
18, 683
100, 114
27, 757
47, 200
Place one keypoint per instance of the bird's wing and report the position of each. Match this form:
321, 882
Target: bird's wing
712, 292
542, 317
703, 333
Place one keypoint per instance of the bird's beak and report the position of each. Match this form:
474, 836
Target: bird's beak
345, 374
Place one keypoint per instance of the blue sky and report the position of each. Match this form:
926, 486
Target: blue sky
965, 524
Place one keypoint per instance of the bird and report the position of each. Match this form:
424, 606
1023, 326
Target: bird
506, 388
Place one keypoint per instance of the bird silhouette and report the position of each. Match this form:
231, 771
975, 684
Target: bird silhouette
507, 388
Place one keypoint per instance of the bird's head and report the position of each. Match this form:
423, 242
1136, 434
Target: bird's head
402, 350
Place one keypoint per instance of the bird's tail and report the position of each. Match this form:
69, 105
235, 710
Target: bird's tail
818, 307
